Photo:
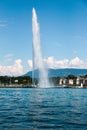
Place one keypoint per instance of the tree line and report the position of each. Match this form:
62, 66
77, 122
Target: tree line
28, 80
15, 80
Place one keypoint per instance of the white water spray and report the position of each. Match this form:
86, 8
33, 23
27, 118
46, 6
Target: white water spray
37, 55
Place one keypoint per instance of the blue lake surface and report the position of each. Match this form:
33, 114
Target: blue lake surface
44, 109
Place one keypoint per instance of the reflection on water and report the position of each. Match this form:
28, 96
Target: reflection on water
43, 109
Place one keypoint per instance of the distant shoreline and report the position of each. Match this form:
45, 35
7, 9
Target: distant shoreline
59, 87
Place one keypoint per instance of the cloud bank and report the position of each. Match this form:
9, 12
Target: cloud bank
13, 70
50, 62
18, 69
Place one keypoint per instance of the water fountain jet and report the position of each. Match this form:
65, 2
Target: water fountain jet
37, 54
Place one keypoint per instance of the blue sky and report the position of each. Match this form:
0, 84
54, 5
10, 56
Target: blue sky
63, 28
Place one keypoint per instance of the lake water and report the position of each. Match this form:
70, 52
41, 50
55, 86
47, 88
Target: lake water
44, 109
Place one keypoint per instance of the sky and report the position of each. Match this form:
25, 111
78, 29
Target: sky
63, 33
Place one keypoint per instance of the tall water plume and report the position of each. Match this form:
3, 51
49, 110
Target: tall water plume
37, 54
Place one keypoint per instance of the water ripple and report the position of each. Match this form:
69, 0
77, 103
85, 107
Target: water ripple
35, 109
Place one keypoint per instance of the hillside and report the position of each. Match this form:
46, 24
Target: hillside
60, 72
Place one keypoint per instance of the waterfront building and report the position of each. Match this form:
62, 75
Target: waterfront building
80, 80
61, 81
71, 82
85, 81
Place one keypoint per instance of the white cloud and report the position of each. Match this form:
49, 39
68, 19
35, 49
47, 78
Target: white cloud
77, 62
75, 51
30, 63
13, 70
50, 62
8, 57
